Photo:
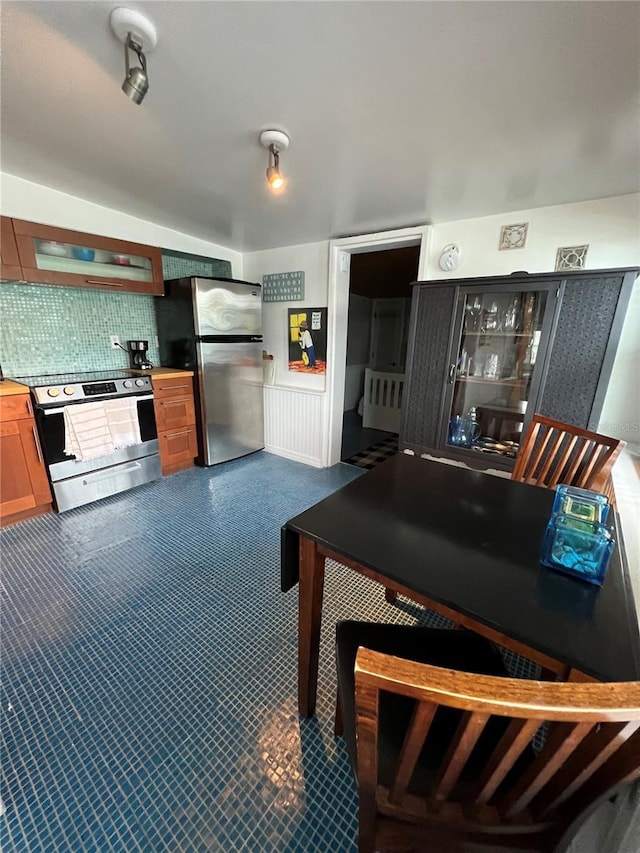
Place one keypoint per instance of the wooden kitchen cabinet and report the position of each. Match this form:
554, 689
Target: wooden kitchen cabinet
50, 255
24, 487
176, 422
9, 259
485, 354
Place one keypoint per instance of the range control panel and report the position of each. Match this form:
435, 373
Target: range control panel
74, 392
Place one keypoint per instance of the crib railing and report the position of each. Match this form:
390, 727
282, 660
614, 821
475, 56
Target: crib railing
383, 394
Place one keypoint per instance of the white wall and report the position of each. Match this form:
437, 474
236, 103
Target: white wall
611, 229
313, 259
26, 200
295, 408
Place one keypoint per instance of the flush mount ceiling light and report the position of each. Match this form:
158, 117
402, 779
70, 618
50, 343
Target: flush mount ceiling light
274, 141
138, 34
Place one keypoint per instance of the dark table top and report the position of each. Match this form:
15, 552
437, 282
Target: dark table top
471, 541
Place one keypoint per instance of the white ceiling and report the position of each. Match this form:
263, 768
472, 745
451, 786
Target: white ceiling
399, 112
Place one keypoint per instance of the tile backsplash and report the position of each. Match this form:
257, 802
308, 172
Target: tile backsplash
53, 329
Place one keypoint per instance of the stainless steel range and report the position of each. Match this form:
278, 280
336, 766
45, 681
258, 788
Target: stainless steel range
78, 481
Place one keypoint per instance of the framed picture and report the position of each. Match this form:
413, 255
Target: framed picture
308, 340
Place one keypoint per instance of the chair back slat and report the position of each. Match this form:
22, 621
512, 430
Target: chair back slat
563, 740
532, 463
597, 462
587, 759
575, 472
623, 767
553, 453
469, 730
552, 457
415, 737
559, 468
517, 737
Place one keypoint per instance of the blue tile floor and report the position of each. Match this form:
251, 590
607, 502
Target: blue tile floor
148, 693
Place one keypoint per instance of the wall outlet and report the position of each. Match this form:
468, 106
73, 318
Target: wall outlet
115, 341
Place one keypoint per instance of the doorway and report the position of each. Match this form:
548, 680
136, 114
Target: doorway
341, 253
377, 333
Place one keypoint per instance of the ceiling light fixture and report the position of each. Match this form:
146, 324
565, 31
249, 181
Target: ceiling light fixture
274, 141
137, 33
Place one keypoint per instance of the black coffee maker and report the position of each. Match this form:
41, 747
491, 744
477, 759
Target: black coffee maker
138, 353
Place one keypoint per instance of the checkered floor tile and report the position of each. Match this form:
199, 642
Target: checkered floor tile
372, 456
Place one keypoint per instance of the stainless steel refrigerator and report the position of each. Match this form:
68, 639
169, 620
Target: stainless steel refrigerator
213, 326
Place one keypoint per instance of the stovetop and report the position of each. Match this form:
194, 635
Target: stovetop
83, 377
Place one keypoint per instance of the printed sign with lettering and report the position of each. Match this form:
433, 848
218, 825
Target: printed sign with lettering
283, 286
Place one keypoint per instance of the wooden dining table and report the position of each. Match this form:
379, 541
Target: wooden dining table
465, 544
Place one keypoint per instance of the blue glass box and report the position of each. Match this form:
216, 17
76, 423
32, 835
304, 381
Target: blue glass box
579, 548
581, 504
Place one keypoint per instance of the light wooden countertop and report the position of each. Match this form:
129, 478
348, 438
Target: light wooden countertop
161, 372
9, 387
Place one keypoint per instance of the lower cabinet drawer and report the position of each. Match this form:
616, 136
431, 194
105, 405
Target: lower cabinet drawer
175, 414
15, 406
178, 448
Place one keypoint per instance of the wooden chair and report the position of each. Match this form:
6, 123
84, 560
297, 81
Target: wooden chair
553, 453
445, 758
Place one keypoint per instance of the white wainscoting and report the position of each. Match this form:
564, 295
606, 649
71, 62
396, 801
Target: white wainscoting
294, 424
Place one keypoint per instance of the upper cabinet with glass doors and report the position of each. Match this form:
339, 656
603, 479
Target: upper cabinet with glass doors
50, 255
486, 354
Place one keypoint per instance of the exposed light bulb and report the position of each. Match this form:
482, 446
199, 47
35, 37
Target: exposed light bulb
275, 179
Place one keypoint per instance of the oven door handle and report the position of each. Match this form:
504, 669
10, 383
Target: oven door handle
61, 409
109, 473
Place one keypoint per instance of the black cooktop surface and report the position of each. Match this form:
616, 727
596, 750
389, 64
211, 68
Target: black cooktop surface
49, 379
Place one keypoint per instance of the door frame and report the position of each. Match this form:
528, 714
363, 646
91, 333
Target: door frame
340, 252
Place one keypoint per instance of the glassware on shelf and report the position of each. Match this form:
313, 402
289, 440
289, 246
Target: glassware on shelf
464, 432
492, 366
510, 318
491, 321
472, 315
473, 427
50, 247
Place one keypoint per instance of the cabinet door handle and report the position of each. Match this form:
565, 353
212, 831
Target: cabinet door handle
174, 402
37, 443
452, 373
172, 387
176, 434
104, 283
29, 407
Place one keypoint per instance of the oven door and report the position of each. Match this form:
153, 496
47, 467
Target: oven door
51, 430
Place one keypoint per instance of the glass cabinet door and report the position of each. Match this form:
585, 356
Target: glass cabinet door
51, 255
84, 259
492, 373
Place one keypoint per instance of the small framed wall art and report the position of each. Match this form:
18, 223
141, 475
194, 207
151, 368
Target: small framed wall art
513, 236
571, 257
